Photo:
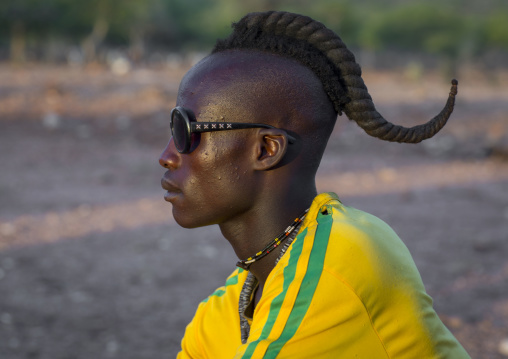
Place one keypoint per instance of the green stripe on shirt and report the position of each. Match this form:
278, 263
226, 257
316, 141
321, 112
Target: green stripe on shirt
220, 292
289, 275
308, 286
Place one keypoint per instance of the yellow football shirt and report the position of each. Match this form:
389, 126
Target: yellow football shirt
347, 287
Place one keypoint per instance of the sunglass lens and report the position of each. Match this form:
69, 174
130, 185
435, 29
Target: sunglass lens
178, 130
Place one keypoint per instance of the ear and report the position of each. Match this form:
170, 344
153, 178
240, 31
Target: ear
271, 148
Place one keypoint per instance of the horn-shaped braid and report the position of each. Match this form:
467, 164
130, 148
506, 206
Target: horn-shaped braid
319, 48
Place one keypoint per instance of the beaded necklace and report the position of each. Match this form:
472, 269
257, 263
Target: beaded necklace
246, 263
251, 284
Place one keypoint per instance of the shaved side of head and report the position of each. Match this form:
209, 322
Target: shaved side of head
253, 86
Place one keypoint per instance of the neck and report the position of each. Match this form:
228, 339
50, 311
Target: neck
253, 230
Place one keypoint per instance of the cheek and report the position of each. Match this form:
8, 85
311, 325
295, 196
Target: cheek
223, 161
219, 183
210, 199
216, 184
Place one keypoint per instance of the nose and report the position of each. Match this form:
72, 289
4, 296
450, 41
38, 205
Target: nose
170, 157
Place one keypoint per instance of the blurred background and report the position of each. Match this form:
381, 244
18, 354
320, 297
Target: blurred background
92, 264
434, 33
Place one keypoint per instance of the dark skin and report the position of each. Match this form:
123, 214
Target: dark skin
250, 182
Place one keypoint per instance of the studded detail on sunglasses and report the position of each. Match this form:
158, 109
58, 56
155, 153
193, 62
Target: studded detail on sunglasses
183, 125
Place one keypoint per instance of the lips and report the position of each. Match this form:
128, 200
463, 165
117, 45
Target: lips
170, 187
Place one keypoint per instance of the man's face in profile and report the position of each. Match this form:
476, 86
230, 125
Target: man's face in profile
210, 184
227, 174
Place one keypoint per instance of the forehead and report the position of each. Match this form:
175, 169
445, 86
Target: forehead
246, 83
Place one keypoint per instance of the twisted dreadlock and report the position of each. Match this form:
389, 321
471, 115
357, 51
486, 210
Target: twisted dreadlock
320, 49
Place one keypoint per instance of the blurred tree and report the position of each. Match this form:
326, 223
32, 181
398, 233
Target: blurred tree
26, 19
496, 30
417, 28
94, 21
414, 27
341, 16
450, 29
179, 24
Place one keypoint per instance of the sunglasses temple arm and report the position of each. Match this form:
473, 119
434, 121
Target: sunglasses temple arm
207, 127
291, 139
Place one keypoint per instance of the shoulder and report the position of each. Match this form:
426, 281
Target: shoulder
353, 244
359, 247
361, 236
365, 261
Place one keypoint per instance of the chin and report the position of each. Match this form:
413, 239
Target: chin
183, 222
189, 221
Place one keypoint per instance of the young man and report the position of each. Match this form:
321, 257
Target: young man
316, 279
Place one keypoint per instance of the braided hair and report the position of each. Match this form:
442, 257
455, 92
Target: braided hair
320, 49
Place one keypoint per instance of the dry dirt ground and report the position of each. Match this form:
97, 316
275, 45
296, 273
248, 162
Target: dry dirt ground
93, 266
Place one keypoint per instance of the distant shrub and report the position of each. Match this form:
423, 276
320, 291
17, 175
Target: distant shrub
496, 31
415, 27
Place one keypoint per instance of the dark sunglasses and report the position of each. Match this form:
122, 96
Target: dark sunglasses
184, 128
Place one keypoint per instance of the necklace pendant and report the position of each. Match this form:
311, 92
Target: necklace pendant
243, 265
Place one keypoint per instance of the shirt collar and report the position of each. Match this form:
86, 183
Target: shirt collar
320, 201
